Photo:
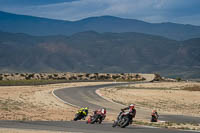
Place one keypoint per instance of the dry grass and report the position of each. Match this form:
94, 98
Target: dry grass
29, 82
165, 85
192, 88
36, 102
171, 125
169, 98
166, 98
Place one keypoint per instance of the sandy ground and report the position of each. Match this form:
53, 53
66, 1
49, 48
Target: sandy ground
170, 85
5, 130
166, 97
36, 102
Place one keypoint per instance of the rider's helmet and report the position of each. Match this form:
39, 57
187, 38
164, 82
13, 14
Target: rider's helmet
131, 106
103, 111
86, 108
154, 111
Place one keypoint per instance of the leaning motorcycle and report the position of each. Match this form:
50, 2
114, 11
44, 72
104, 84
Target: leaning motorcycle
123, 120
154, 118
79, 115
96, 118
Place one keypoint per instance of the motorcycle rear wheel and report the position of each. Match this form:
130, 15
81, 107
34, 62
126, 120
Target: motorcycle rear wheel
94, 119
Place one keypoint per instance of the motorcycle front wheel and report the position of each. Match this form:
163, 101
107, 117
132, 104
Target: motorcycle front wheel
124, 122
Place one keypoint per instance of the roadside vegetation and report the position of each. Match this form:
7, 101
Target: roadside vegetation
9, 105
171, 125
46, 82
30, 82
186, 88
192, 88
19, 79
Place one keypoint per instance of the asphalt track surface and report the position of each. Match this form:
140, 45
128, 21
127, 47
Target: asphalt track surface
86, 96
82, 127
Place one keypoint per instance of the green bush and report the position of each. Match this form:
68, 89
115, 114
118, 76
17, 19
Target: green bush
178, 79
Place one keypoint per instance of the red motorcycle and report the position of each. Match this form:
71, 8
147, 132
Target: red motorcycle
97, 117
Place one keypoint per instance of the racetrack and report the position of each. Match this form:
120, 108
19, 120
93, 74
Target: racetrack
86, 96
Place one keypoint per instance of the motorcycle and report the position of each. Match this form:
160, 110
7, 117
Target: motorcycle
96, 118
123, 120
154, 117
79, 115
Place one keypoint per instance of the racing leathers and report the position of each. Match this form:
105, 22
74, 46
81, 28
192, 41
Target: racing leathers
154, 116
84, 111
102, 113
132, 112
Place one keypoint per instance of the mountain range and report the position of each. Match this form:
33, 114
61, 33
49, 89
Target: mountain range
42, 26
100, 52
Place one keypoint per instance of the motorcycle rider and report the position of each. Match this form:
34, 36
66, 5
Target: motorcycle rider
84, 112
102, 112
154, 116
132, 112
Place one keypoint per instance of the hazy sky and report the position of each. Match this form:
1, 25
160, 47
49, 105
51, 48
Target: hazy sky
179, 11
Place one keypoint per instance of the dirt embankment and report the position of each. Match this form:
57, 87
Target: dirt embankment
167, 97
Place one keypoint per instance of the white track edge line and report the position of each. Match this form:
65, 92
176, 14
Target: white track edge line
73, 105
